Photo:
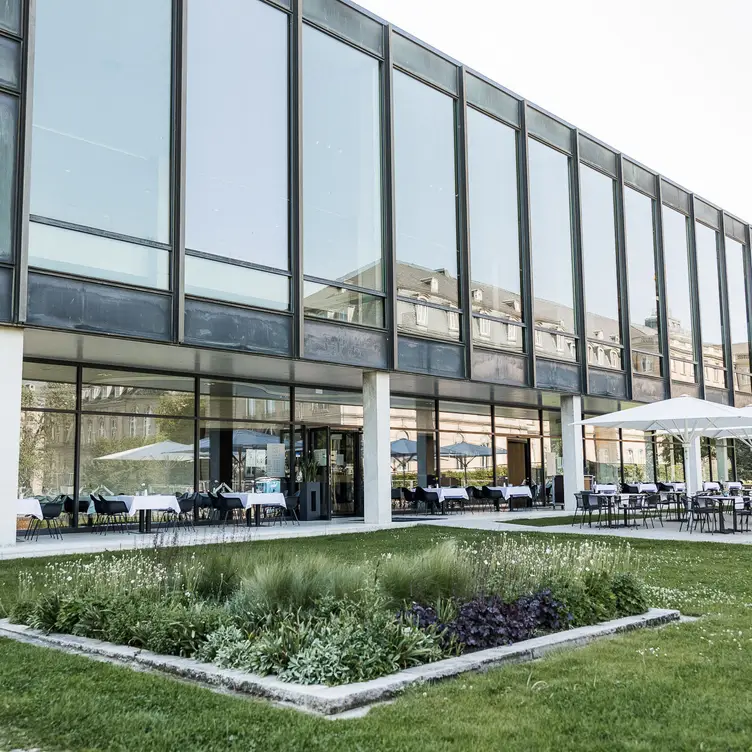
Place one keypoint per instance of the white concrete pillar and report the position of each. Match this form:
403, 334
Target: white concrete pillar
693, 466
571, 449
377, 499
11, 348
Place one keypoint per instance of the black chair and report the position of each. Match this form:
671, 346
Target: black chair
227, 506
630, 488
410, 500
291, 504
397, 500
430, 498
493, 494
113, 511
588, 503
187, 515
68, 505
51, 512
473, 494
652, 508
702, 510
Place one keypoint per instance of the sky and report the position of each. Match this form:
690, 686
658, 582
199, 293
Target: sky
661, 80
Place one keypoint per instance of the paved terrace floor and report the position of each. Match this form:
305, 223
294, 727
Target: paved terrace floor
88, 542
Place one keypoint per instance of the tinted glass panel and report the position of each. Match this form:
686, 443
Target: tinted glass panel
551, 235
427, 320
240, 401
10, 15
643, 285
140, 393
599, 257
101, 131
96, 256
46, 455
51, 387
425, 191
329, 407
710, 305
8, 121
499, 334
341, 162
408, 412
236, 131
494, 219
678, 293
340, 304
738, 313
9, 62
237, 284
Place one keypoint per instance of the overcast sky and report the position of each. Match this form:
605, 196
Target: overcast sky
661, 80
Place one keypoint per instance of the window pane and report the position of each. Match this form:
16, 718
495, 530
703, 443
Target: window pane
425, 191
10, 15
51, 387
463, 417
737, 302
408, 412
643, 286
678, 293
498, 334
431, 322
101, 131
339, 304
141, 393
710, 304
94, 256
45, 462
518, 422
342, 162
493, 216
413, 458
236, 284
599, 258
669, 459
603, 460
10, 61
637, 451
229, 400
236, 199
555, 345
329, 407
551, 237
8, 121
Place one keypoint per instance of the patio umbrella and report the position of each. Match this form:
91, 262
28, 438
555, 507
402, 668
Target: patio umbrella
684, 418
404, 451
465, 453
160, 452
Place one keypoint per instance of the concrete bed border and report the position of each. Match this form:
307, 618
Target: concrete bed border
334, 700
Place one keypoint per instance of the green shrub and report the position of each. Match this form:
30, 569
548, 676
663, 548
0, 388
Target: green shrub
630, 594
216, 579
44, 612
439, 573
20, 612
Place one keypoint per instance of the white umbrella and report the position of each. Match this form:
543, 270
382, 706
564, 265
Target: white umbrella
684, 418
161, 451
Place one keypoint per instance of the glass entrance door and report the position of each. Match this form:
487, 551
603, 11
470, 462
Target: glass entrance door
345, 472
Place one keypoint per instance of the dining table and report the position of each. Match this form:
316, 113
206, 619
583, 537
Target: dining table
253, 502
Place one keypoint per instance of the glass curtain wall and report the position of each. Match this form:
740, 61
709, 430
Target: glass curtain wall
425, 196
342, 245
711, 323
553, 457
669, 459
718, 460
495, 270
638, 457
603, 454
681, 338
602, 320
100, 167
466, 452
414, 442
644, 324
10, 78
737, 303
236, 202
551, 238
519, 449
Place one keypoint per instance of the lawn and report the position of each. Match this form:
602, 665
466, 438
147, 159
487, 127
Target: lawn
542, 521
681, 687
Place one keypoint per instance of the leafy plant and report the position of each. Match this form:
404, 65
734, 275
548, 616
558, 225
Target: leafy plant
309, 469
629, 593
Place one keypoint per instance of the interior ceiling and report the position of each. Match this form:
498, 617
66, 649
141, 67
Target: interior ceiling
78, 347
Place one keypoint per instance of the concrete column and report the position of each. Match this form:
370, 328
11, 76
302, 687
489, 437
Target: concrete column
693, 466
377, 499
571, 449
721, 459
11, 347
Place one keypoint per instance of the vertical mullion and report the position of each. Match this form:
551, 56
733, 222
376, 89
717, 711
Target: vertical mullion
463, 204
23, 166
626, 331
577, 264
695, 295
196, 433
528, 288
77, 444
291, 486
748, 290
660, 266
177, 196
295, 135
493, 444
725, 317
437, 448
390, 234
621, 455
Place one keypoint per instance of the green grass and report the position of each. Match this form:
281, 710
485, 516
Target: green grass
683, 687
541, 521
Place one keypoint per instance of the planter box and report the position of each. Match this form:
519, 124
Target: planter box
310, 501
334, 700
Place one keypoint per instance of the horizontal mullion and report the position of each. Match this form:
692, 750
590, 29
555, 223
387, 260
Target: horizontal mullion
352, 324
492, 115
42, 271
237, 262
125, 414
241, 306
425, 81
499, 319
428, 304
602, 343
340, 38
343, 286
73, 227
569, 335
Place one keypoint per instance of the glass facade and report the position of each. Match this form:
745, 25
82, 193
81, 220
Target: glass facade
644, 318
737, 303
681, 340
8, 127
602, 323
711, 323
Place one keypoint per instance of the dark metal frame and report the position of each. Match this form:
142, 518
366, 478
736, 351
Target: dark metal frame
695, 298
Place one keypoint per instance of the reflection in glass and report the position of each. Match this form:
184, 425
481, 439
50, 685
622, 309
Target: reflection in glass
678, 295
236, 199
603, 460
341, 162
229, 400
413, 458
46, 453
637, 452
743, 468
425, 192
466, 459
328, 407
644, 323
717, 460
101, 130
498, 334
8, 120
493, 217
10, 62
552, 344
551, 238
737, 303
669, 459
597, 196
409, 412
428, 321
216, 280
94, 256
50, 387
711, 326
461, 417
340, 304
10, 15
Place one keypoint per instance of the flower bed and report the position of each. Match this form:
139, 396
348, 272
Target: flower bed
312, 620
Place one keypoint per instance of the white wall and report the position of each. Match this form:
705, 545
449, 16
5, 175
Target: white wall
571, 446
377, 500
11, 350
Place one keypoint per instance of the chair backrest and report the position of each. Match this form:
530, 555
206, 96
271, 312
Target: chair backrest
407, 494
291, 502
115, 506
99, 505
420, 494
630, 488
52, 510
472, 492
396, 494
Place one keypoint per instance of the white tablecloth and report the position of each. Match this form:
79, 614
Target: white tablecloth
601, 488
678, 487
154, 503
647, 488
513, 491
258, 499
26, 507
448, 493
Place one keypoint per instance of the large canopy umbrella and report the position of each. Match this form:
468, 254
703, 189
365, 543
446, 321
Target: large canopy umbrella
684, 418
742, 433
404, 451
162, 451
465, 453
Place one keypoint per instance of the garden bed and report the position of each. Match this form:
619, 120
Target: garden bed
310, 620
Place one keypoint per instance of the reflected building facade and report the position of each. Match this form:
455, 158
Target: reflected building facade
253, 211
